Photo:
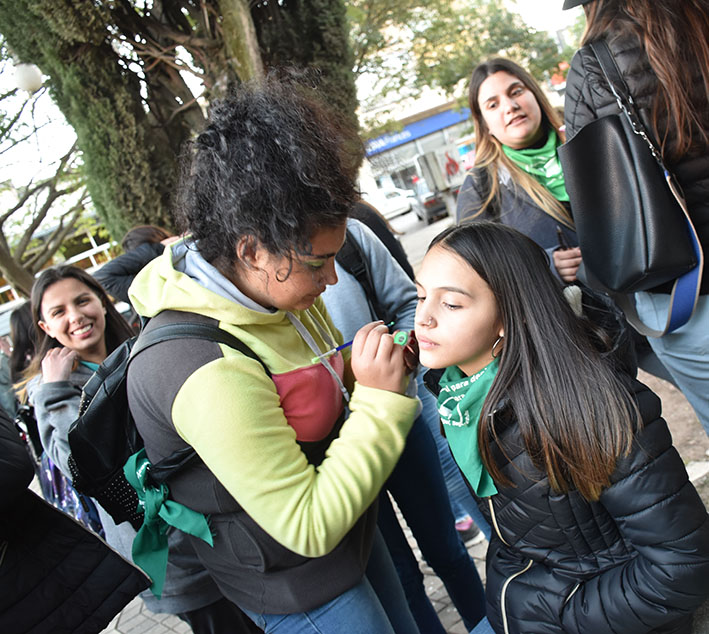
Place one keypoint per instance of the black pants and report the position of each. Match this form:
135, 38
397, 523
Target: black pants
220, 617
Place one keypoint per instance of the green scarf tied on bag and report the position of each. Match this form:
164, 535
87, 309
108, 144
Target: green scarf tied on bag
150, 546
543, 164
460, 403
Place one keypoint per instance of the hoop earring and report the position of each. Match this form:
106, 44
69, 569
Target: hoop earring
494, 345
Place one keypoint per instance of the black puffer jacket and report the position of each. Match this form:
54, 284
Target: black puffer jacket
588, 98
634, 562
56, 577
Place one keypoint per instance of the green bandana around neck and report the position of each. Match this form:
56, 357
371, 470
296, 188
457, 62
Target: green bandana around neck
150, 546
460, 403
543, 164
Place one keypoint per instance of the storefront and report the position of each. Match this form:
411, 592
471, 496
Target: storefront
445, 131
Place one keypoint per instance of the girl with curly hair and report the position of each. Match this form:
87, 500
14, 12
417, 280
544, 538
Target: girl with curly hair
288, 476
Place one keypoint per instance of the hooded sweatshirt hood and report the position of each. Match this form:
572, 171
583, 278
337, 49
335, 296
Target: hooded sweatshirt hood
181, 279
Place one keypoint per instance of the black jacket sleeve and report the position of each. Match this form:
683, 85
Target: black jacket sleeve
579, 109
117, 275
15, 465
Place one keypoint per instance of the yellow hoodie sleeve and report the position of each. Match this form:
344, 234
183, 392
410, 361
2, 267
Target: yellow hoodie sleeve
229, 411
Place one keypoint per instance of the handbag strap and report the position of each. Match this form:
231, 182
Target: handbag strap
622, 94
685, 290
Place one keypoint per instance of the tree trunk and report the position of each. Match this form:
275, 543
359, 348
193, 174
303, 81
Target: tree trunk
242, 48
132, 110
19, 278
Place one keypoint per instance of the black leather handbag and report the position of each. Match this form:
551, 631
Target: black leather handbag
631, 220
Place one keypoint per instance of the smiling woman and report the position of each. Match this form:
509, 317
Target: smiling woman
74, 316
76, 327
75, 322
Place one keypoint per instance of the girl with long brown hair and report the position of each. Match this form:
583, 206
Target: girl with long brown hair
661, 48
596, 526
510, 112
517, 179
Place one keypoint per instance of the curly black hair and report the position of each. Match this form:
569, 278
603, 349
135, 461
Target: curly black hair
272, 164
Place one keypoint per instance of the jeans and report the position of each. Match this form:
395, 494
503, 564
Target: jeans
418, 487
375, 604
684, 352
461, 499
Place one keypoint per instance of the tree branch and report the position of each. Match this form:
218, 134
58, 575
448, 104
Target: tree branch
52, 195
36, 262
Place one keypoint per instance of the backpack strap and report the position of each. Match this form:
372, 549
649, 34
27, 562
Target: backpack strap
168, 466
191, 330
351, 258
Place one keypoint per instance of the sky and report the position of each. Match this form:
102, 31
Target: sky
545, 15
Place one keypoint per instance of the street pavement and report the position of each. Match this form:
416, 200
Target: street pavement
690, 439
137, 619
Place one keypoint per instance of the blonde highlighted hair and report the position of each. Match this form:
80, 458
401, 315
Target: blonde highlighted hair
488, 150
674, 35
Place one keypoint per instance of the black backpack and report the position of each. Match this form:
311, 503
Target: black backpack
104, 435
351, 258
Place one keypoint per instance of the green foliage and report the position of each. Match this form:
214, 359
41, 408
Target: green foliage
116, 70
404, 46
130, 175
380, 27
460, 36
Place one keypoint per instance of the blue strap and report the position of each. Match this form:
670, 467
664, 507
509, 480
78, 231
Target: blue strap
686, 289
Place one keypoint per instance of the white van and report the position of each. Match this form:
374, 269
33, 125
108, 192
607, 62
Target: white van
393, 201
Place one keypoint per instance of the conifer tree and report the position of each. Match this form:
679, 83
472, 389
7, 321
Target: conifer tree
116, 71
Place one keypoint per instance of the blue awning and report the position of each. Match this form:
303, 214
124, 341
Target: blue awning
416, 130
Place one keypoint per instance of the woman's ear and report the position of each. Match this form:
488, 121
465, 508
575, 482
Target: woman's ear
248, 252
44, 327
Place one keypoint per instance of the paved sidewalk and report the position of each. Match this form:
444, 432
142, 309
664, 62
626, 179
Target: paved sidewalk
137, 619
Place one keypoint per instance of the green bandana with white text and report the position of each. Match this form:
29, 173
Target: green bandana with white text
543, 164
460, 404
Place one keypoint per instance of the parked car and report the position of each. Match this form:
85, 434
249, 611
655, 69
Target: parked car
432, 205
393, 202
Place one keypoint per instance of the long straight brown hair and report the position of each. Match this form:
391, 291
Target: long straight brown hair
675, 37
488, 150
574, 415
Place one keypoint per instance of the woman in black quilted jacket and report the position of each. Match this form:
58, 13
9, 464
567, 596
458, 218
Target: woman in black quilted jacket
55, 575
596, 526
661, 48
